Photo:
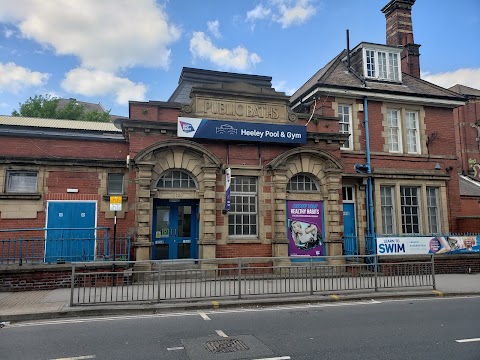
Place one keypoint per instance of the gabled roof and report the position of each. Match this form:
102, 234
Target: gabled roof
469, 186
337, 75
88, 106
465, 90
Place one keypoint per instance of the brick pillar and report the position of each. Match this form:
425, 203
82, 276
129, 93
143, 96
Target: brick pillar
207, 242
334, 213
279, 207
143, 215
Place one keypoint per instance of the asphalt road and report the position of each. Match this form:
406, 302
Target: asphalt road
395, 329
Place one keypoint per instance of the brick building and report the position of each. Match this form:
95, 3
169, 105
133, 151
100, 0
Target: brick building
229, 167
467, 135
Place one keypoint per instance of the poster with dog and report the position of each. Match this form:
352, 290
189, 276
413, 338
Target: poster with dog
304, 228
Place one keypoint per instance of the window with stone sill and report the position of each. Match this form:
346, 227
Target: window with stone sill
115, 184
243, 214
403, 135
21, 182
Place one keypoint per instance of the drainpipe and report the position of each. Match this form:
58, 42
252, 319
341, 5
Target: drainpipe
370, 219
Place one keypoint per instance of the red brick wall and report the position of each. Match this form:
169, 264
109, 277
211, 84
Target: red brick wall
244, 250
59, 148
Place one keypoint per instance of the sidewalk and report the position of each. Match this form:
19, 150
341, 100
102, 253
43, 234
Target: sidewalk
48, 304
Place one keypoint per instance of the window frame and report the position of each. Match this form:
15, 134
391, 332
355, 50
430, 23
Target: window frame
391, 206
109, 187
189, 179
306, 176
237, 192
404, 206
416, 129
349, 124
398, 128
435, 208
10, 174
382, 64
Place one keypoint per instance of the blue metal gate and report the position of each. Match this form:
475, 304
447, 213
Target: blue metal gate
76, 239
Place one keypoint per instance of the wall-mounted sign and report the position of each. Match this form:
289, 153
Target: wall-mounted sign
304, 228
115, 203
241, 131
228, 182
422, 245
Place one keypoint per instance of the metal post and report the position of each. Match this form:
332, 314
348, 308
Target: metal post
239, 278
433, 273
72, 285
375, 263
158, 282
21, 251
311, 276
114, 233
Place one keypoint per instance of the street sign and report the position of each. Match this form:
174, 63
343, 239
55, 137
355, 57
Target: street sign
115, 203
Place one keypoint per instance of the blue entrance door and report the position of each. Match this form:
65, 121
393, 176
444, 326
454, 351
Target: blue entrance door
349, 231
175, 230
75, 238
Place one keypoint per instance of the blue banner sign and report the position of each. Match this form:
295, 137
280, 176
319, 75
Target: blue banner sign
242, 131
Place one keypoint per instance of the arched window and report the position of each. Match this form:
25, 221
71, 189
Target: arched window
176, 179
302, 182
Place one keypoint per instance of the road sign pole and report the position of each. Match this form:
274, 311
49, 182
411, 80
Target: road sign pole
114, 234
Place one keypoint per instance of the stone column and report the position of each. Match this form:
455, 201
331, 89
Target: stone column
279, 208
207, 241
333, 238
143, 215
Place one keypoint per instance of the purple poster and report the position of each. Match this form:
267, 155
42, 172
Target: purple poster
304, 228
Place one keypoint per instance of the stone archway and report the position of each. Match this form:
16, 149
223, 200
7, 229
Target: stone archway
328, 171
150, 163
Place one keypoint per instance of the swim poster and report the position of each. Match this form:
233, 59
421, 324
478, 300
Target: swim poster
428, 245
305, 228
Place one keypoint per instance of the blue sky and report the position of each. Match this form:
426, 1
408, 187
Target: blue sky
113, 51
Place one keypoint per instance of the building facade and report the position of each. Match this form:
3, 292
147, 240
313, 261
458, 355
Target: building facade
229, 167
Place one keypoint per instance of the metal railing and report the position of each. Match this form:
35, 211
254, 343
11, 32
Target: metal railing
18, 247
239, 278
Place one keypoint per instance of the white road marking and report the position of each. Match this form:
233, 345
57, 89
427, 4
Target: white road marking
78, 357
175, 348
276, 358
203, 315
227, 311
467, 340
221, 333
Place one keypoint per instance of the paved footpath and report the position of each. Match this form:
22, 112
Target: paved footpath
47, 304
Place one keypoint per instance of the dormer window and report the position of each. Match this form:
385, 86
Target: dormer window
382, 64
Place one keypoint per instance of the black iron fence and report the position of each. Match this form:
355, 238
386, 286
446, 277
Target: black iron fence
158, 281
34, 246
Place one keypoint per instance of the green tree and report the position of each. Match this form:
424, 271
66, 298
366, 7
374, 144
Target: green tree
38, 106
46, 107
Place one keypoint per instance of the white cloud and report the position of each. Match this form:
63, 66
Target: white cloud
285, 12
105, 35
258, 13
100, 83
282, 86
467, 77
13, 77
214, 28
8, 32
296, 14
239, 58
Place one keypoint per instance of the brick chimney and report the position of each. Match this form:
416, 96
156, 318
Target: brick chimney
398, 14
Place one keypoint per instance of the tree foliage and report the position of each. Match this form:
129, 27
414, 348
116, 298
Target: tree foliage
40, 106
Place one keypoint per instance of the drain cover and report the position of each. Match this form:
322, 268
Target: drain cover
226, 346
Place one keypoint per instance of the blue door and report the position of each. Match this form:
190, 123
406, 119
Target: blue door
349, 229
175, 230
75, 238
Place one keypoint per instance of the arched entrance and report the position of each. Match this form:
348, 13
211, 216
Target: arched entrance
175, 207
